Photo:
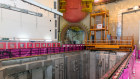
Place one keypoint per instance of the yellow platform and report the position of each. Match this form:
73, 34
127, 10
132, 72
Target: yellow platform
122, 44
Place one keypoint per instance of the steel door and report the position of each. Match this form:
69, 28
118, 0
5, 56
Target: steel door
73, 66
85, 56
47, 71
58, 68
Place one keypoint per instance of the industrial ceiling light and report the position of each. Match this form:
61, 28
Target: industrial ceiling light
39, 40
5, 6
136, 7
43, 7
24, 39
48, 40
96, 1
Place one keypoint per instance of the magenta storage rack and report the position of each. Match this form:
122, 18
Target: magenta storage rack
2, 45
48, 44
43, 45
37, 45
12, 45
21, 45
30, 45
23, 49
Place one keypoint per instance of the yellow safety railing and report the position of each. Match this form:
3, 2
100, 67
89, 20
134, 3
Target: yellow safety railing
126, 40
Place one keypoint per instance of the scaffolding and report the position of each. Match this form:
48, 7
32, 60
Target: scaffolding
99, 23
99, 37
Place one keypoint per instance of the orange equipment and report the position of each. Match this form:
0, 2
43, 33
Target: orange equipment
100, 39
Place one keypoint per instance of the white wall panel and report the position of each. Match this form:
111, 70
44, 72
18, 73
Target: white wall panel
9, 2
10, 23
21, 25
131, 26
29, 25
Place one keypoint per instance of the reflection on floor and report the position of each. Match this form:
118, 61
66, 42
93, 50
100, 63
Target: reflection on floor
137, 69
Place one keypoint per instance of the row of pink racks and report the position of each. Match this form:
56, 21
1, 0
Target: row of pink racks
70, 47
18, 45
23, 49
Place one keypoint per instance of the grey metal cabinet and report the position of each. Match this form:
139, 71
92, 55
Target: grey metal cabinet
85, 65
58, 68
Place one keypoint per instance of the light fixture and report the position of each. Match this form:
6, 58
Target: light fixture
136, 7
96, 1
43, 7
5, 6
24, 39
48, 40
36, 40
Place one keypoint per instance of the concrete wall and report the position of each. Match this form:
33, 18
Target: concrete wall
21, 25
114, 9
131, 26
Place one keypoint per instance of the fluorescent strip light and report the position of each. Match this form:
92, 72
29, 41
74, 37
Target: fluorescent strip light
37, 40
43, 7
48, 40
5, 6
24, 39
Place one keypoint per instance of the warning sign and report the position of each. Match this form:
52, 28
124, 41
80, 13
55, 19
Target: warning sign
99, 26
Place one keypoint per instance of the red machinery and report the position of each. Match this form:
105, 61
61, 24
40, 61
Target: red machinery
74, 11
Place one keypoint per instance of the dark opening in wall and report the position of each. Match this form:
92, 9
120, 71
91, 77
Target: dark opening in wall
54, 15
54, 4
55, 33
55, 23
